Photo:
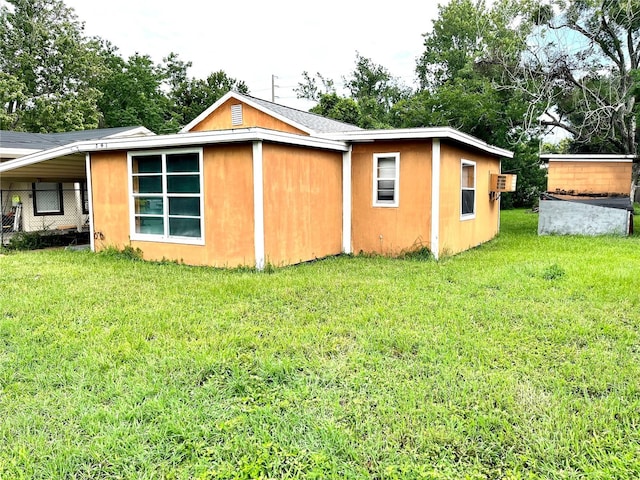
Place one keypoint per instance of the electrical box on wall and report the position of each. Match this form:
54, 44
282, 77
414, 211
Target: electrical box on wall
502, 182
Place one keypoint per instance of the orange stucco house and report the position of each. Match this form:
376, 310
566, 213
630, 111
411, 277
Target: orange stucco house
250, 182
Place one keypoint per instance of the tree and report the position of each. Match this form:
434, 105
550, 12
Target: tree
132, 93
461, 85
376, 91
48, 68
581, 69
191, 96
331, 105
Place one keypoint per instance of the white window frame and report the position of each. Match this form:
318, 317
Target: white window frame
165, 237
468, 163
396, 185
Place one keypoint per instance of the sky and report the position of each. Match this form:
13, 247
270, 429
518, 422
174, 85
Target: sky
255, 39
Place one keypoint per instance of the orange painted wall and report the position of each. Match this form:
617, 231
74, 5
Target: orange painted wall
590, 177
220, 119
302, 203
457, 235
228, 194
391, 230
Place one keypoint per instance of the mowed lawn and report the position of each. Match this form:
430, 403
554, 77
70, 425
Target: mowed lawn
518, 359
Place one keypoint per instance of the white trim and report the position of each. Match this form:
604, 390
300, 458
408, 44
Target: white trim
418, 133
165, 237
463, 163
346, 202
137, 131
17, 152
241, 98
396, 180
178, 140
258, 206
90, 199
598, 157
435, 198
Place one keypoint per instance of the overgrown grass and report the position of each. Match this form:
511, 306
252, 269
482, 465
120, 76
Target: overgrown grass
519, 359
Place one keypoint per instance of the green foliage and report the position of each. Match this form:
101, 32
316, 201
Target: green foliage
553, 272
125, 253
474, 366
330, 105
48, 68
26, 241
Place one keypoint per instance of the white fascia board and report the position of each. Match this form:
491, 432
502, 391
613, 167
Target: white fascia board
176, 140
16, 152
419, 134
134, 132
582, 157
241, 98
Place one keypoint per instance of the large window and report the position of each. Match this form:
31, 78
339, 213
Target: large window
468, 189
47, 198
166, 196
386, 174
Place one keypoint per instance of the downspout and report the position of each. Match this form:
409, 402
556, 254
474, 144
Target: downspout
90, 195
258, 206
435, 198
346, 201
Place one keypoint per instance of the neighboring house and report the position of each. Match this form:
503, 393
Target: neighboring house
250, 182
587, 195
45, 198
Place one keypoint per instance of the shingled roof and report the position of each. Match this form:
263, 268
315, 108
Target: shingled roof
317, 123
311, 123
45, 141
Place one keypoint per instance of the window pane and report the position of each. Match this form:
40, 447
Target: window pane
385, 190
149, 205
47, 197
147, 184
183, 183
468, 174
468, 197
386, 167
150, 225
184, 206
147, 164
184, 227
183, 162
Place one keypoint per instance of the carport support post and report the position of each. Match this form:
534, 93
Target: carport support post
90, 195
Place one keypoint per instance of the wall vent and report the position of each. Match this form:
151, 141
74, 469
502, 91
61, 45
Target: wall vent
236, 114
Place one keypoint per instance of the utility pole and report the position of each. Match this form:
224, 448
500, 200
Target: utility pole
273, 88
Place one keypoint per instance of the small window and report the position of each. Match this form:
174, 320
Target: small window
386, 173
468, 189
236, 114
47, 198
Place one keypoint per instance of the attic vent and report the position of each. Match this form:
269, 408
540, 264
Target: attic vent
236, 114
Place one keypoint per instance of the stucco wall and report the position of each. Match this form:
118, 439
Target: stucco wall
220, 119
590, 177
228, 211
302, 203
572, 218
392, 230
457, 234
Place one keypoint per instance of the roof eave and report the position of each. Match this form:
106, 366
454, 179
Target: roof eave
176, 140
419, 134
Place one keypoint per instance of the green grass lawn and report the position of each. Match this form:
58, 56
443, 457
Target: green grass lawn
519, 359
